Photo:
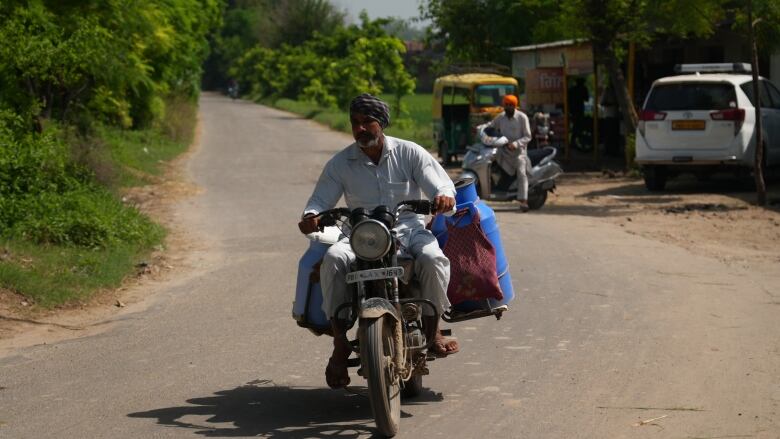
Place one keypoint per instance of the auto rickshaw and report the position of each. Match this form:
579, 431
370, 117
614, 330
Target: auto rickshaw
461, 102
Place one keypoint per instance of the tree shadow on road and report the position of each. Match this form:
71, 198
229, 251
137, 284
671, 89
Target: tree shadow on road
261, 408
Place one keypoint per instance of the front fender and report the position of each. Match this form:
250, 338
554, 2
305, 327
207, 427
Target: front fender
376, 307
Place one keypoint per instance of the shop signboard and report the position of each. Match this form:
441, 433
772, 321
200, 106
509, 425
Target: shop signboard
544, 86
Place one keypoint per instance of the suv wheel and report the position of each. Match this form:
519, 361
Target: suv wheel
655, 177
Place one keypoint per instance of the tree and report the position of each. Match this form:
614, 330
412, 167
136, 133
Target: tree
104, 59
329, 69
476, 31
269, 24
763, 30
611, 24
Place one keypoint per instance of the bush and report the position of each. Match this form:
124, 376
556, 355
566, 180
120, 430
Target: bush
34, 164
89, 217
46, 199
328, 70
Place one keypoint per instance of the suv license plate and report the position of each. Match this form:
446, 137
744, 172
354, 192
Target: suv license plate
688, 125
375, 274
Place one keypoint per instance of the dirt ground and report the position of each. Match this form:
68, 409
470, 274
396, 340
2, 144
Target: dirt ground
716, 218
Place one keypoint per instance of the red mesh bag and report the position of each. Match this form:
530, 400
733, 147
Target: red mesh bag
472, 262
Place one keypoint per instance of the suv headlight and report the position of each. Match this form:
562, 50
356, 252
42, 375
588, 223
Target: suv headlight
370, 240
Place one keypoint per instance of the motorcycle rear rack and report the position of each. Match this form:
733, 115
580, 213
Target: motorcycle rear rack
453, 316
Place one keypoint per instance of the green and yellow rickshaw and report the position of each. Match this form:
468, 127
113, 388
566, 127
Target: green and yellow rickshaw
460, 103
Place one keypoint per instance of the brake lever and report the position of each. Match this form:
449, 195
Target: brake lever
451, 211
422, 207
326, 220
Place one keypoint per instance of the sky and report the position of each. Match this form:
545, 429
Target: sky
381, 8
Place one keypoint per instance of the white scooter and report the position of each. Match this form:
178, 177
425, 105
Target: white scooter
493, 184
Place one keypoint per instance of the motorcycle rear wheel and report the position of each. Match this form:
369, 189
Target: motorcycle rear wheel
384, 390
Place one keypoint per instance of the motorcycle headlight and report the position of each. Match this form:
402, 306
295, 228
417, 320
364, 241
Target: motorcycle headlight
370, 240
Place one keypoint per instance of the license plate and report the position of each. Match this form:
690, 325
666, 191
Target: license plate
688, 124
375, 274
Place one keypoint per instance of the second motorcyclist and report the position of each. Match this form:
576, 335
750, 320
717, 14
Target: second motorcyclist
513, 157
380, 170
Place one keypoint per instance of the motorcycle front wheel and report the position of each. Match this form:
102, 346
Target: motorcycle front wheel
384, 391
537, 200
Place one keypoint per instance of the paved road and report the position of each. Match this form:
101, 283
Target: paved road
608, 329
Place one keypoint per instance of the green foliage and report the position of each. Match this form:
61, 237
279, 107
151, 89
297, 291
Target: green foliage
86, 217
109, 60
328, 70
766, 16
611, 22
266, 23
53, 275
74, 77
33, 164
480, 31
414, 124
135, 157
49, 200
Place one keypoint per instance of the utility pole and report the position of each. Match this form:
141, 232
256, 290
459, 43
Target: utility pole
758, 170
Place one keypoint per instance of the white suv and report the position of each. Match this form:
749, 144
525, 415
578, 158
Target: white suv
704, 122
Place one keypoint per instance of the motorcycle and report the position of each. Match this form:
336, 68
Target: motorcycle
233, 91
542, 130
494, 184
392, 343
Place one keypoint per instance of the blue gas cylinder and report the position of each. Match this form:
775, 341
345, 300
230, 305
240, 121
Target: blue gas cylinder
466, 198
307, 307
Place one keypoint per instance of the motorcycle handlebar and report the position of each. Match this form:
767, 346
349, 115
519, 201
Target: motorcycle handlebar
422, 207
331, 216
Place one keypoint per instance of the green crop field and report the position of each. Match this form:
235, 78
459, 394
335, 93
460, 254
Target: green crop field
415, 124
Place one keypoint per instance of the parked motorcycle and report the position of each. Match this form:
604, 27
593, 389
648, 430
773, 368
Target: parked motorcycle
542, 133
494, 184
392, 341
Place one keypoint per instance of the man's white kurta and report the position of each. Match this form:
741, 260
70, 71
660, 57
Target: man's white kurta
405, 171
515, 129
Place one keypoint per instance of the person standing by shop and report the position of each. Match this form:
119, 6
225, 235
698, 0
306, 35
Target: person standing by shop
578, 96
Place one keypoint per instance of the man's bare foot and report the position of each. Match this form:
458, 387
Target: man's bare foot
443, 346
336, 374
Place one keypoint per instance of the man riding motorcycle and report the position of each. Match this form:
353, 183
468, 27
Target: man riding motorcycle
380, 170
513, 157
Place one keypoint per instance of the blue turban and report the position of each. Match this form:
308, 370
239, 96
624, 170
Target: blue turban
372, 107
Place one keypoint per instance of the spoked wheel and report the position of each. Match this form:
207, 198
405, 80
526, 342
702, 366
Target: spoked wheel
384, 389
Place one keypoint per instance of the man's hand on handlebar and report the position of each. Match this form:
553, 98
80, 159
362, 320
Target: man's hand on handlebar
443, 204
310, 223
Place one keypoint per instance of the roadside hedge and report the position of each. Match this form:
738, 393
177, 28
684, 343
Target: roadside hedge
49, 199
